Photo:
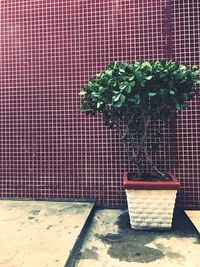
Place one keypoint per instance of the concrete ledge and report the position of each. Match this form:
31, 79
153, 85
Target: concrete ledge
41, 233
194, 216
79, 241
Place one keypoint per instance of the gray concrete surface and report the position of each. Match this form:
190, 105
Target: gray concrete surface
39, 233
112, 243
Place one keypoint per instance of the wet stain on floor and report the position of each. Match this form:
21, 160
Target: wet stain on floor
132, 245
35, 212
89, 254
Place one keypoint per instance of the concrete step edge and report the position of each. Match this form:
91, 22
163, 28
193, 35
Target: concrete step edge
70, 262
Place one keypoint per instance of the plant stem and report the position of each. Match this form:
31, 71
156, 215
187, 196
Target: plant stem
141, 143
134, 157
144, 146
152, 164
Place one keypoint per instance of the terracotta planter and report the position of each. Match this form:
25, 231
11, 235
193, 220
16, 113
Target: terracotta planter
151, 204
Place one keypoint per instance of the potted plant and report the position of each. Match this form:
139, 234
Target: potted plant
130, 98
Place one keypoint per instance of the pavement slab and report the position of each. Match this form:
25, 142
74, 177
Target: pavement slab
194, 216
39, 233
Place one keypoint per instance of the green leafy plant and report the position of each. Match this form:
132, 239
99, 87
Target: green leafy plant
130, 96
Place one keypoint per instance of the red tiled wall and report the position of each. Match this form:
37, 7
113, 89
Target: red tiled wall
48, 50
186, 48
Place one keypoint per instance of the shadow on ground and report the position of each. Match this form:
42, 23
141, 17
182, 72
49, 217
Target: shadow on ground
131, 246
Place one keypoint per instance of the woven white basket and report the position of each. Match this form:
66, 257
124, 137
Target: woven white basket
149, 209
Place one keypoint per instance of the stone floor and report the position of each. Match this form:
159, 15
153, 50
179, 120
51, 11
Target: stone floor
112, 243
40, 233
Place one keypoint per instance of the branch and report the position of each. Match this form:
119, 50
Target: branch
123, 136
152, 164
134, 156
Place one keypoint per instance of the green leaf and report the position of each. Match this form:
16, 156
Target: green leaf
148, 78
109, 72
195, 67
133, 83
181, 106
95, 95
162, 91
115, 98
130, 87
138, 75
152, 94
101, 74
178, 107
122, 70
123, 85
182, 67
98, 104
120, 100
111, 82
102, 89
131, 78
197, 72
111, 65
171, 92
137, 100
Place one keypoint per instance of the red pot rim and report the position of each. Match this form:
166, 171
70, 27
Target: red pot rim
161, 185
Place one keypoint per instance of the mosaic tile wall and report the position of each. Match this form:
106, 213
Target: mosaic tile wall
48, 50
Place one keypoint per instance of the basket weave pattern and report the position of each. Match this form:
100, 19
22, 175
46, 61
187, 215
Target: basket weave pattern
149, 209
